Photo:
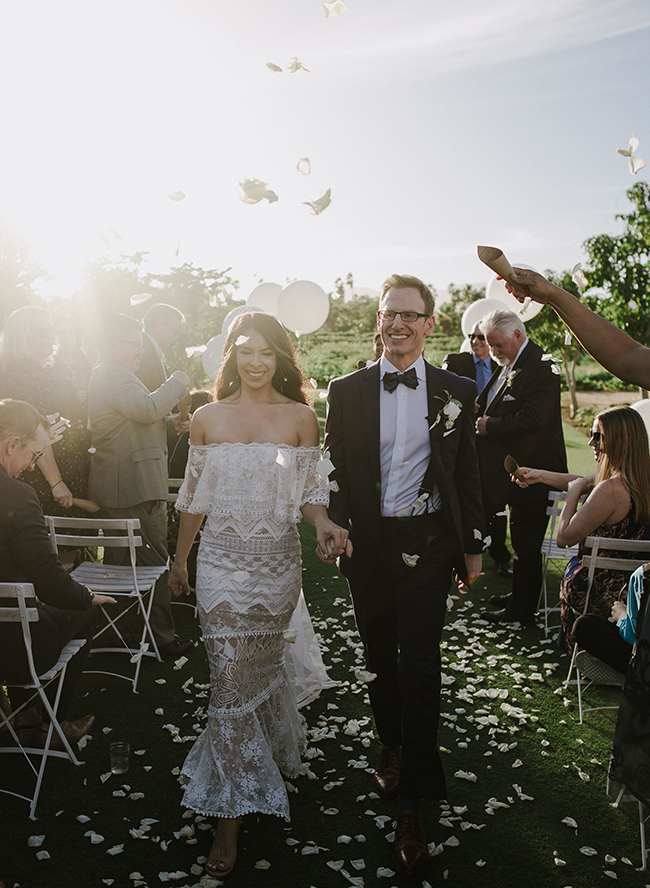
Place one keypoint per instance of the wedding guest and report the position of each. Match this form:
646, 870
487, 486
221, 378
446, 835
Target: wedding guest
610, 639
519, 415
25, 373
617, 507
128, 471
162, 324
66, 608
70, 361
401, 437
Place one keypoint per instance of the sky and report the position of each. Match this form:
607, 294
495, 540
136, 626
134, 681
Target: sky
437, 126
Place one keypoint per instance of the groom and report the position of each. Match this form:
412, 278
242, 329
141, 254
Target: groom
401, 436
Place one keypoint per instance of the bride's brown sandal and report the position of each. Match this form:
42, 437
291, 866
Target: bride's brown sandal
220, 864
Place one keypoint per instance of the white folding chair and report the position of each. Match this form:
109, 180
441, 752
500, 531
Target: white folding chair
125, 582
628, 797
16, 607
593, 560
552, 554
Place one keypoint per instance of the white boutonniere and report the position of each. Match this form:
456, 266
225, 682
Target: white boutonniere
512, 376
449, 412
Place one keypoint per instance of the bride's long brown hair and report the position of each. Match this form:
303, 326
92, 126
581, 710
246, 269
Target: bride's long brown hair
288, 378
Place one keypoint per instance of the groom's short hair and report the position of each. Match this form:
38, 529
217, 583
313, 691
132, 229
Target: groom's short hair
402, 281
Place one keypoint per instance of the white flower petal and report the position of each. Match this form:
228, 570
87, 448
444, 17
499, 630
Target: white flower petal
410, 560
262, 865
320, 203
274, 68
35, 841
588, 852
42, 855
304, 166
176, 195
578, 276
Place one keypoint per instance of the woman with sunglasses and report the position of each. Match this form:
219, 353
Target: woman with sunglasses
27, 374
617, 507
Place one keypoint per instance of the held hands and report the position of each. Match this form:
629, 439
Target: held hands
333, 541
178, 580
619, 610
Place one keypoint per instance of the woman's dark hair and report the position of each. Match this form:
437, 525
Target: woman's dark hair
288, 378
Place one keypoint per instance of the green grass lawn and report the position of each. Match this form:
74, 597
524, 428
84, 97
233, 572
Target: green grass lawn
529, 768
533, 767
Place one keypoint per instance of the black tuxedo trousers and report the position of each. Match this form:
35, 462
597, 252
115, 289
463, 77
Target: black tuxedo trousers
395, 604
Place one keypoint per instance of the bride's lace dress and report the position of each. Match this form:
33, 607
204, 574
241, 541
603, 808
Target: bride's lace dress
248, 582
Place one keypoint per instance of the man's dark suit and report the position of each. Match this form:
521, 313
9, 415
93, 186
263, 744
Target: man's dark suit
65, 610
525, 422
152, 369
462, 364
496, 522
399, 607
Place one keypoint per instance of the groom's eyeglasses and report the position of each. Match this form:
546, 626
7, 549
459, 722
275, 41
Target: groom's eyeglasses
473, 336
409, 317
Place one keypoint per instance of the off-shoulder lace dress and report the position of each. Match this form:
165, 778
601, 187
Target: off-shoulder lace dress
248, 583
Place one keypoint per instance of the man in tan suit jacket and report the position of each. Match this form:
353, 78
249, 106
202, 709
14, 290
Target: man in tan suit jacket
128, 470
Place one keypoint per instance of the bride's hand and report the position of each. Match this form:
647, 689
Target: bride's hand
178, 580
333, 541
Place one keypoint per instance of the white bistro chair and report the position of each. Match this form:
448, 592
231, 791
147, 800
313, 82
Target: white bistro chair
593, 560
130, 583
553, 554
16, 607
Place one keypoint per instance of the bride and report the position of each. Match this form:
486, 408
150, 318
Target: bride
252, 470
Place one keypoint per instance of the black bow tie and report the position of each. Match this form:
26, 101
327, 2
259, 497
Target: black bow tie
392, 380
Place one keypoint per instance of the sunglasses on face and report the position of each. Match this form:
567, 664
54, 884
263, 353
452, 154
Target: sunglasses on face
473, 336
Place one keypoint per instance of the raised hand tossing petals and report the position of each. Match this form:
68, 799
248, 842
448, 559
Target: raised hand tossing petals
320, 203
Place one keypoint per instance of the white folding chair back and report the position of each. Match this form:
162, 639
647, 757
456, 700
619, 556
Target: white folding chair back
15, 608
552, 554
131, 582
593, 560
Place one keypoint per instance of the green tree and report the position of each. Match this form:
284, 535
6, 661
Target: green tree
449, 314
18, 272
619, 264
350, 312
549, 331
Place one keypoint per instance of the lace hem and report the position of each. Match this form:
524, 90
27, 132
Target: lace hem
235, 766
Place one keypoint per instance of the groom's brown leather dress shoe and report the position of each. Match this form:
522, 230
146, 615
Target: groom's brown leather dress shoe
411, 852
385, 780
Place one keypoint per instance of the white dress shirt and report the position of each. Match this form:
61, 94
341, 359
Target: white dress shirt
501, 378
404, 444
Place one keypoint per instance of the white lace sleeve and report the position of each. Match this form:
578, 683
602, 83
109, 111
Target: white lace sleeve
195, 497
316, 491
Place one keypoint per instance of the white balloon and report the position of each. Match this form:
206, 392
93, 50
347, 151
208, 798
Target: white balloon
266, 296
643, 407
234, 313
303, 307
495, 289
212, 356
476, 311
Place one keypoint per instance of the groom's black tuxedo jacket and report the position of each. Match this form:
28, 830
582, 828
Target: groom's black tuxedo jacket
526, 423
352, 437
